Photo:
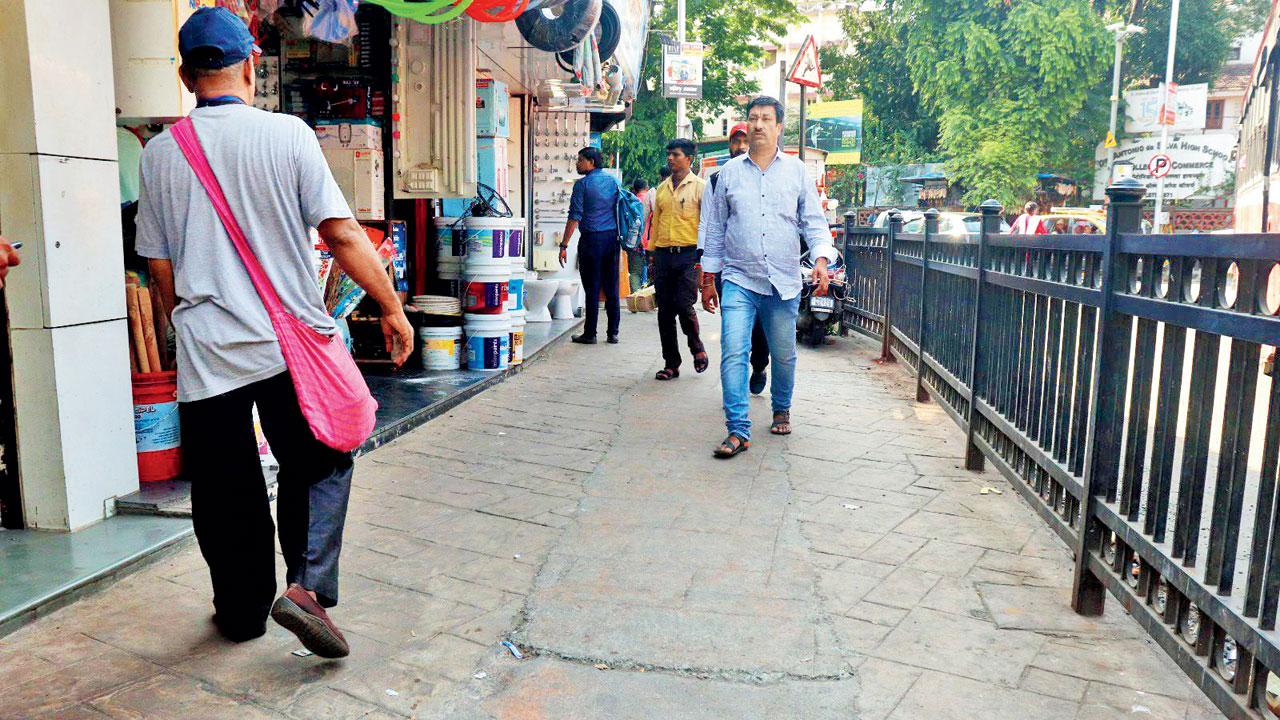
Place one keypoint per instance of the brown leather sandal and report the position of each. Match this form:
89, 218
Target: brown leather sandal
667, 374
781, 423
700, 362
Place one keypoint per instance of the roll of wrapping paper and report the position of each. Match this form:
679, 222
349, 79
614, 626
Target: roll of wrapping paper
149, 330
135, 329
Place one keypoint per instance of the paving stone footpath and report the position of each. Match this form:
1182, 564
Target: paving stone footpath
852, 570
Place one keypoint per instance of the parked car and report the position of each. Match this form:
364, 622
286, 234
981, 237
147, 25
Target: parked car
1077, 221
955, 224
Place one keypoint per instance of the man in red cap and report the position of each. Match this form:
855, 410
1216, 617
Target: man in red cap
738, 144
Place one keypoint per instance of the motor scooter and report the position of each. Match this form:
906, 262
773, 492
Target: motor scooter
819, 314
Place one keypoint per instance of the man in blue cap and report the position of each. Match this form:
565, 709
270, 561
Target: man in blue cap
275, 178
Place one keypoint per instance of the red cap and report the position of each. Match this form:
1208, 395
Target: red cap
739, 128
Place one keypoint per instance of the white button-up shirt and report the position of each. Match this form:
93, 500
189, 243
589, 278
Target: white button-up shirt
752, 223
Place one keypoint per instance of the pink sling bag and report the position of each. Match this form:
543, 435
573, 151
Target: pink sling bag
332, 393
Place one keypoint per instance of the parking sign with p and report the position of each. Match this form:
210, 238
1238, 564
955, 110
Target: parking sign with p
1160, 165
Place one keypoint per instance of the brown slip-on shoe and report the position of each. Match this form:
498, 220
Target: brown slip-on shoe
303, 616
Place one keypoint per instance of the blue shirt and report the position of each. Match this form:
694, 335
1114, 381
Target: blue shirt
595, 195
753, 220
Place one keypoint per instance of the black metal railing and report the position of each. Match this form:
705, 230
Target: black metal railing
1117, 381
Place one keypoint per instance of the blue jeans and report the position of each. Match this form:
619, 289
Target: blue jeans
740, 308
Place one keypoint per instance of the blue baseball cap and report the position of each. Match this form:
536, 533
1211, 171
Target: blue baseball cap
213, 37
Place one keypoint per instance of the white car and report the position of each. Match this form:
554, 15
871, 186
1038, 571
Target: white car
955, 224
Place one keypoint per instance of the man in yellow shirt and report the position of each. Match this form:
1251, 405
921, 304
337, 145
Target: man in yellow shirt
674, 227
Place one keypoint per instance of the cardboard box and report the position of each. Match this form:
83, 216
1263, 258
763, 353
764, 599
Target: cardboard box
493, 109
491, 166
641, 302
359, 172
364, 135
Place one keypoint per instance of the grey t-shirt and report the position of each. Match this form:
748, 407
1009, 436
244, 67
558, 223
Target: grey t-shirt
276, 180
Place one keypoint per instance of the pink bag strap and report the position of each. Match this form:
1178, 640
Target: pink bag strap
184, 132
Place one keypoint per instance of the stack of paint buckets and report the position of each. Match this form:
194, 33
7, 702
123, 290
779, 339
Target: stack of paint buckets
451, 250
486, 278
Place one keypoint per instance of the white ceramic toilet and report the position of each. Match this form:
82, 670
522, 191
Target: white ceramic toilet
563, 302
537, 296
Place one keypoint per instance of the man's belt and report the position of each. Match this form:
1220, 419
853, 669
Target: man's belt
676, 249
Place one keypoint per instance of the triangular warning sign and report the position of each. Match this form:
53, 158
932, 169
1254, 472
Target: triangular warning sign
1111, 140
805, 70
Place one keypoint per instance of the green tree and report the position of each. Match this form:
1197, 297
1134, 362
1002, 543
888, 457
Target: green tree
998, 90
1206, 29
896, 127
732, 33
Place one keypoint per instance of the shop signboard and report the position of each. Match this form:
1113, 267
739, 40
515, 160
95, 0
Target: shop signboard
682, 70
1196, 166
1142, 109
836, 127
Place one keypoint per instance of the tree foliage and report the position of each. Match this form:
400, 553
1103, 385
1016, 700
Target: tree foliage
1206, 29
1000, 90
732, 33
1010, 85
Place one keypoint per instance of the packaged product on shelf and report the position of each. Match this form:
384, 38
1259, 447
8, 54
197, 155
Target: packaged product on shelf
334, 134
359, 173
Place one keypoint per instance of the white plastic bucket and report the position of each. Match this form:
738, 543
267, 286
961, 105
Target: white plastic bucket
485, 289
517, 337
441, 347
489, 238
451, 238
515, 292
488, 341
449, 268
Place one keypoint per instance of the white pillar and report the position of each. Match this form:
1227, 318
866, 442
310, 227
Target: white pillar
61, 199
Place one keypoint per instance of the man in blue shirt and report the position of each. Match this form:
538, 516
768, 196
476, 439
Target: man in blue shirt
762, 205
592, 210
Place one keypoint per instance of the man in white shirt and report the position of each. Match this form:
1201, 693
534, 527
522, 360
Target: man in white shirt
763, 204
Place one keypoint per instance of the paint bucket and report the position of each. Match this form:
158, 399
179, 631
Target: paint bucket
155, 425
515, 242
451, 239
441, 347
517, 337
449, 269
486, 289
488, 341
515, 291
488, 239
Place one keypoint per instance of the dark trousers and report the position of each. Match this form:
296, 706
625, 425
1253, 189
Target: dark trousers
229, 505
759, 340
675, 286
598, 261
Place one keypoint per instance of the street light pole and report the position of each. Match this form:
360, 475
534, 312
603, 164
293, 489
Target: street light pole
1122, 32
682, 112
1165, 107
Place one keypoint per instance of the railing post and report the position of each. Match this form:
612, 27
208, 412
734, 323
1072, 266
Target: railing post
1107, 396
850, 272
930, 230
991, 209
895, 225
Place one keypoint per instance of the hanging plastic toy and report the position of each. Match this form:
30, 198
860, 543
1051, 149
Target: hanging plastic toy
496, 10
430, 13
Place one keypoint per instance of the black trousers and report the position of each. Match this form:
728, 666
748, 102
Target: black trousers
598, 260
759, 340
675, 286
229, 506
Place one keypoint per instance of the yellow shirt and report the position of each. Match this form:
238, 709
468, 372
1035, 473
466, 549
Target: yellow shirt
676, 212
